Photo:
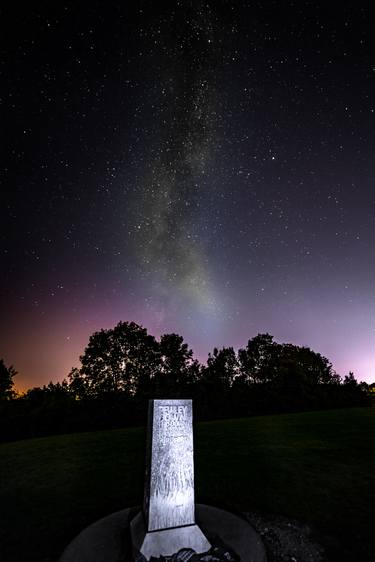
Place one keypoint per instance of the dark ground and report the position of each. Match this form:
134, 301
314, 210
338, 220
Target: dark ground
308, 479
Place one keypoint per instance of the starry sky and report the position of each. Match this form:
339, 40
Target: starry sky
205, 168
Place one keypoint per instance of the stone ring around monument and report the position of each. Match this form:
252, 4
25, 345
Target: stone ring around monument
109, 539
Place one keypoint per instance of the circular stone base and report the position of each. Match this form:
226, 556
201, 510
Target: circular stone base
108, 540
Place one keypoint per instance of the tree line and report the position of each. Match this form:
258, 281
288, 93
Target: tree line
122, 367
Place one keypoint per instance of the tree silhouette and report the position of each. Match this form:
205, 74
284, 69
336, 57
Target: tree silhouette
177, 370
116, 360
124, 366
222, 367
258, 359
6, 381
350, 380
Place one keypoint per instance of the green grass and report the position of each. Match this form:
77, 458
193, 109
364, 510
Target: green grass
317, 467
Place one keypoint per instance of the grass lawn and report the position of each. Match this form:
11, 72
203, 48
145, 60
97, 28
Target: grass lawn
317, 467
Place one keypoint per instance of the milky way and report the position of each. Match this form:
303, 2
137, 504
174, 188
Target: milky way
204, 168
169, 239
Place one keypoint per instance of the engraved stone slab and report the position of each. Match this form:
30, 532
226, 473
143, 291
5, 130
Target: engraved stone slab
169, 491
167, 523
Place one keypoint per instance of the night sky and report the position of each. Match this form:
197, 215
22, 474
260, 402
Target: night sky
204, 168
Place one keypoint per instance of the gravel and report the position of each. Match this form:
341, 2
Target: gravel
286, 540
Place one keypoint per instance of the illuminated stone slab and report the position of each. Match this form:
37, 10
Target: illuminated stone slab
169, 493
168, 520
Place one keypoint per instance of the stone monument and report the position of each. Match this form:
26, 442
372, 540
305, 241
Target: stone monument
166, 527
167, 522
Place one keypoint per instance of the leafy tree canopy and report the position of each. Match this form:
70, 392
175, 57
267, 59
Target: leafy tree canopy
116, 360
222, 367
6, 381
264, 360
